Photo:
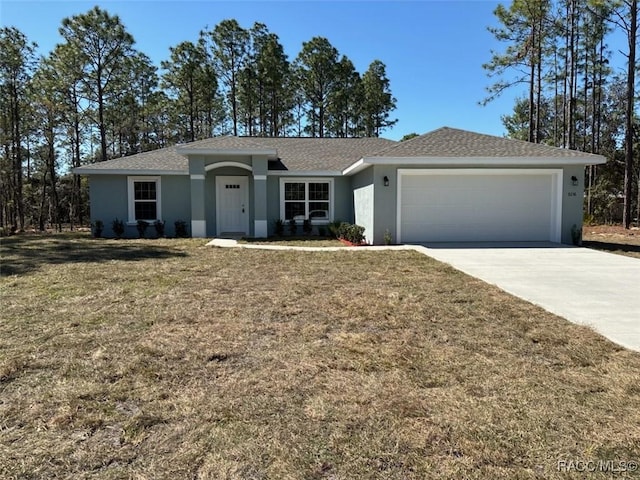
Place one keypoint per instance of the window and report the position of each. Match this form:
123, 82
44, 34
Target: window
306, 199
144, 199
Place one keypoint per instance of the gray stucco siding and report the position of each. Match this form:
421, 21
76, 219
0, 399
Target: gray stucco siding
176, 202
110, 200
385, 202
572, 201
343, 199
273, 202
108, 194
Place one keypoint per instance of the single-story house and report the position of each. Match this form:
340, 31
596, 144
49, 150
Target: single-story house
447, 185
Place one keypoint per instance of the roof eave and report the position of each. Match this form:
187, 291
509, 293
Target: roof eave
186, 151
304, 173
126, 171
473, 161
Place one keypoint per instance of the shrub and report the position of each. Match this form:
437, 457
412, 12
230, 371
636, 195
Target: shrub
306, 226
181, 228
279, 227
334, 228
293, 227
351, 233
98, 227
388, 239
159, 226
322, 232
118, 227
142, 228
576, 235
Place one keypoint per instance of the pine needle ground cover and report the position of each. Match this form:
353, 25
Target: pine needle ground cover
166, 359
613, 239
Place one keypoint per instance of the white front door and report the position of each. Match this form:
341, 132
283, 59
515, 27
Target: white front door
232, 200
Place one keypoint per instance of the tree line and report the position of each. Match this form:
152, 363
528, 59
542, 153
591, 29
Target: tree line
559, 50
96, 97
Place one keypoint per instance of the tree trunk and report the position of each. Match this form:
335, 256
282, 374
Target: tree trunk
43, 201
532, 75
628, 139
17, 145
101, 125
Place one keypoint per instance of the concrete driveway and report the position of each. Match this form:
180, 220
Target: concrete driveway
598, 289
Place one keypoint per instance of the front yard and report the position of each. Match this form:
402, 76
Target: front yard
612, 239
166, 359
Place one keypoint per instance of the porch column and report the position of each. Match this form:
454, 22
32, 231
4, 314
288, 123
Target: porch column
197, 177
260, 223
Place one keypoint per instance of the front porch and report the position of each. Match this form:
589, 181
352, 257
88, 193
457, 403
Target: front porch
228, 192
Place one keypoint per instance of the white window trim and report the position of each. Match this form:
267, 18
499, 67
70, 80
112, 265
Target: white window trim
131, 199
306, 181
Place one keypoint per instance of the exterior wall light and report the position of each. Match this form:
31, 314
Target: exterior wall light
574, 180
386, 181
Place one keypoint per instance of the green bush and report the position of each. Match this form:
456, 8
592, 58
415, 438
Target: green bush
388, 239
118, 228
279, 227
98, 227
306, 226
576, 235
351, 233
293, 227
334, 228
142, 228
159, 226
181, 228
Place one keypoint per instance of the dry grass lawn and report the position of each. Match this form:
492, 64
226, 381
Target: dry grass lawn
166, 359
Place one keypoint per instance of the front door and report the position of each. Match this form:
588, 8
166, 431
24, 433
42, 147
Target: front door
232, 200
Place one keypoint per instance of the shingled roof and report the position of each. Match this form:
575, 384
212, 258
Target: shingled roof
451, 142
294, 153
164, 160
304, 154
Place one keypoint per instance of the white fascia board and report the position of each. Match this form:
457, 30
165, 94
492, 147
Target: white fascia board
304, 173
186, 151
482, 161
119, 171
356, 167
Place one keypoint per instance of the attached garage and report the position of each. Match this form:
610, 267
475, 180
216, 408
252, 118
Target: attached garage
479, 205
451, 185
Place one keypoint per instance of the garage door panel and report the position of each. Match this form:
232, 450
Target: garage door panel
477, 207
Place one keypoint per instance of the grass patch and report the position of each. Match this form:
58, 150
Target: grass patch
167, 359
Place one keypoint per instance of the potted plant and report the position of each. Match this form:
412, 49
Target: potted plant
181, 228
142, 228
98, 227
159, 226
118, 227
279, 227
306, 226
293, 227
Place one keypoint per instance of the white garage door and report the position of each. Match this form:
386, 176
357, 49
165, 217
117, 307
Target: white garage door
479, 205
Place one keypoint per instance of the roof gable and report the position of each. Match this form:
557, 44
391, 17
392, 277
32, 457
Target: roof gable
452, 142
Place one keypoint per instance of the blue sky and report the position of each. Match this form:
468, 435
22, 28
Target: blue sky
433, 50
